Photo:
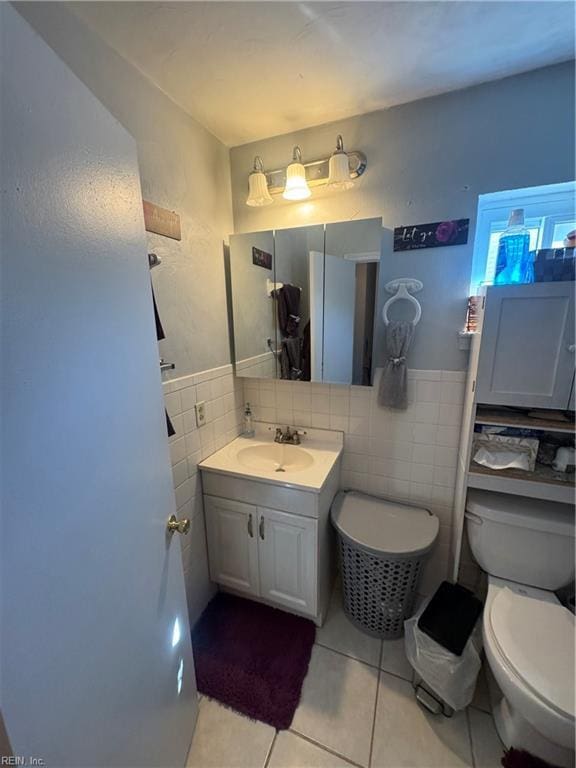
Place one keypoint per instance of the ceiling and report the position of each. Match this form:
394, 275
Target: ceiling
250, 70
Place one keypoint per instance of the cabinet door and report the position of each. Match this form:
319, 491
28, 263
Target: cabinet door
287, 555
232, 544
527, 352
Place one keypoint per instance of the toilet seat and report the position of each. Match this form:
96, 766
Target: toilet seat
536, 637
519, 664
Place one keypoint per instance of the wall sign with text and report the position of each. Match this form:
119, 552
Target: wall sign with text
435, 235
261, 258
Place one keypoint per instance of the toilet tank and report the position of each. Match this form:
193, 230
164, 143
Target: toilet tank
525, 540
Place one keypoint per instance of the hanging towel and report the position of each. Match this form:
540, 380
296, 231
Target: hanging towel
169, 425
290, 359
288, 298
159, 330
393, 385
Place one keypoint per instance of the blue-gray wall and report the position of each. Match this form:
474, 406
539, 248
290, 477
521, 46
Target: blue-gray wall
429, 161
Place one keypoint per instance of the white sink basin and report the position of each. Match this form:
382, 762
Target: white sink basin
275, 457
305, 466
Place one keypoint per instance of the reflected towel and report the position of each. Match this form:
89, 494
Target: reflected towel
290, 359
288, 298
394, 382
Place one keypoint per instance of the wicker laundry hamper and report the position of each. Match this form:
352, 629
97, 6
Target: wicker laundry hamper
382, 547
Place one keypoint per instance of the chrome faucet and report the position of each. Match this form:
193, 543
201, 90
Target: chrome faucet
289, 437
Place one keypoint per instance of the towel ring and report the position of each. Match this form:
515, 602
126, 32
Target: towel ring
401, 288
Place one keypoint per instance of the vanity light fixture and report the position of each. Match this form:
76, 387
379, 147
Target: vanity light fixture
339, 168
296, 185
336, 172
258, 194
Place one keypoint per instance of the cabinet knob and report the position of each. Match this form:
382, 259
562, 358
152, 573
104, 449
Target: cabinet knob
250, 526
261, 528
571, 347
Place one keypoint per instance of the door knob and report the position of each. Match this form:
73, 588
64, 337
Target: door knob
178, 526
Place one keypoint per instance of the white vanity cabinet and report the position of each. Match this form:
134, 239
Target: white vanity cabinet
287, 546
268, 528
528, 347
263, 552
232, 544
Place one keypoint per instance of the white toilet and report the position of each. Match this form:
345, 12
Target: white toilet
526, 546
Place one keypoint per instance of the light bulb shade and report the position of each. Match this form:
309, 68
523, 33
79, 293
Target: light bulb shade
339, 172
258, 194
296, 185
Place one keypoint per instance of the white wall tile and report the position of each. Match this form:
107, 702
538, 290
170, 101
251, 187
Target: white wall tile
447, 436
188, 395
173, 403
319, 403
445, 457
421, 473
452, 393
423, 454
180, 472
177, 450
450, 415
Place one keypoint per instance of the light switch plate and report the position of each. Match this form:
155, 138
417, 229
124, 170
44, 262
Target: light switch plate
200, 409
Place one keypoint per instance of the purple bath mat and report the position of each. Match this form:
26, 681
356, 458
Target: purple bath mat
252, 658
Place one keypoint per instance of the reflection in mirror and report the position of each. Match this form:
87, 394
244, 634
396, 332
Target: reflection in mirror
298, 308
303, 302
254, 318
352, 256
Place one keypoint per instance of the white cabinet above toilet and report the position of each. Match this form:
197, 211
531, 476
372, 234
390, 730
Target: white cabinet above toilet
528, 347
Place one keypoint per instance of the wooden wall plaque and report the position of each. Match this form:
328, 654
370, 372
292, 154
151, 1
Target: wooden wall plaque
161, 221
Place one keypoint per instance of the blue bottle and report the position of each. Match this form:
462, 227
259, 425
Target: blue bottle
514, 263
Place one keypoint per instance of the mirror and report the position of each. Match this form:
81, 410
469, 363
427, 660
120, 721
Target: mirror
351, 261
303, 302
299, 302
254, 318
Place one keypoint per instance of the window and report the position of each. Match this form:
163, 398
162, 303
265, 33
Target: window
549, 215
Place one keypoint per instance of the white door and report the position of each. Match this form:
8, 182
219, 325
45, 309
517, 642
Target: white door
316, 283
232, 543
287, 554
96, 657
339, 310
527, 349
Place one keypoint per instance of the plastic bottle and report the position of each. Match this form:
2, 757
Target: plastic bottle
248, 429
514, 263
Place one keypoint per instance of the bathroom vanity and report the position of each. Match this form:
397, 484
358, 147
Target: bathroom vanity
267, 517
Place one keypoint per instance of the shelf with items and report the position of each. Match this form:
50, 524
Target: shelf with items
508, 417
543, 483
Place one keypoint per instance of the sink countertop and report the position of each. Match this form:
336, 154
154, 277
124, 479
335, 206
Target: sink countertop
323, 445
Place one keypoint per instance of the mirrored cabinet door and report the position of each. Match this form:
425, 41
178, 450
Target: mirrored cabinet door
304, 301
254, 316
298, 300
351, 262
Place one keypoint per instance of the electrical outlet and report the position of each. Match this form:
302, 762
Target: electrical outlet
200, 409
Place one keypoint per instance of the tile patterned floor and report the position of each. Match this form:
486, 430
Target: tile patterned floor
357, 709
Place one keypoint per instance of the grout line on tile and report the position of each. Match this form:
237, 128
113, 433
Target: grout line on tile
347, 655
374, 717
270, 748
395, 674
470, 740
325, 748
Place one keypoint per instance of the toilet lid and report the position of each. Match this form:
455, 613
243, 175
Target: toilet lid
537, 638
